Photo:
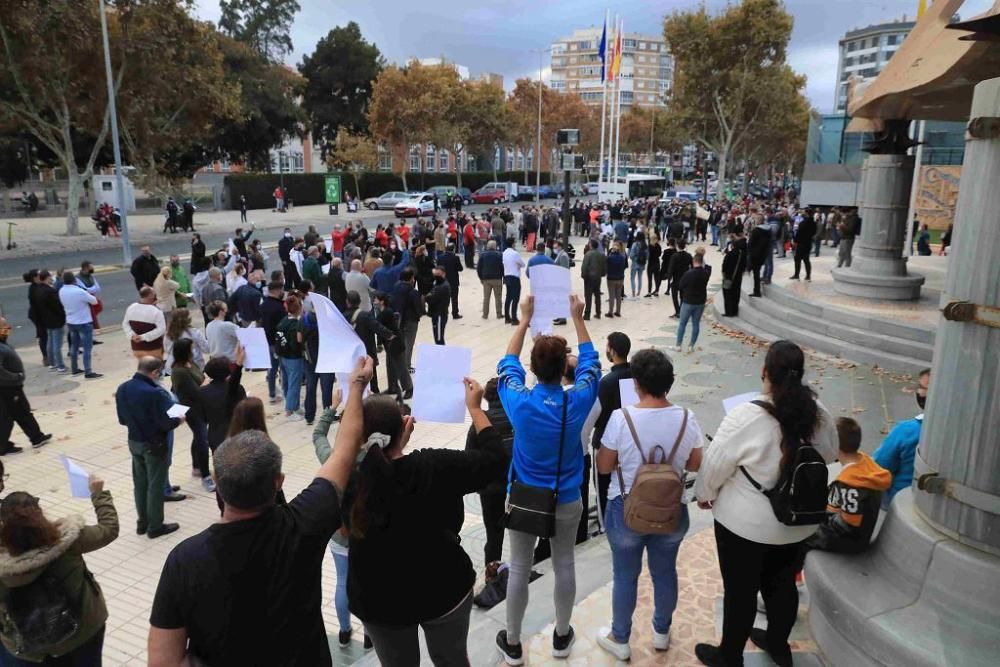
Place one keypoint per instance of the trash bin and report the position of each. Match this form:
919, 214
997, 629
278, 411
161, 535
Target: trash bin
334, 209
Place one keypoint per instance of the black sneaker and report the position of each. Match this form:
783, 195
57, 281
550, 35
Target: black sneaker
368, 643
41, 441
93, 376
10, 449
76, 372
511, 654
759, 638
709, 655
166, 529
344, 638
561, 645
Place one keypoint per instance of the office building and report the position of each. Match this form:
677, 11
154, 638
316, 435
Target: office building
864, 53
646, 74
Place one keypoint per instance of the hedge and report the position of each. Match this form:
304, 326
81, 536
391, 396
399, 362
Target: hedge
305, 189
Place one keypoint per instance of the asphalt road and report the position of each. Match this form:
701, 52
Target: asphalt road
117, 287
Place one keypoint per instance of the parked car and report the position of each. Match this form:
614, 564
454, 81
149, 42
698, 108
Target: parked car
387, 200
526, 193
489, 195
446, 192
591, 188
417, 205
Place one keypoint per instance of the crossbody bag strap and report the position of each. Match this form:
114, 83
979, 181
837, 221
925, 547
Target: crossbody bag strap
562, 438
750, 479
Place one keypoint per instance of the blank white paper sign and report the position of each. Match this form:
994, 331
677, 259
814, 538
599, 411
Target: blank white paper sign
438, 388
257, 354
79, 479
550, 285
626, 389
177, 410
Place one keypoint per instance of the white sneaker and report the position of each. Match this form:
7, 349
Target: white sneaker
690, 349
622, 652
661, 642
294, 417
675, 348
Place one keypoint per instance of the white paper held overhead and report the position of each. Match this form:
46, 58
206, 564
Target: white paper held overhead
438, 389
339, 346
79, 479
257, 353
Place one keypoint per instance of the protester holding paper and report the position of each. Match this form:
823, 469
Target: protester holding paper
33, 548
185, 381
396, 501
547, 424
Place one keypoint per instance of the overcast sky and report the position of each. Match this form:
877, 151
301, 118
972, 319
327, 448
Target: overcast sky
501, 35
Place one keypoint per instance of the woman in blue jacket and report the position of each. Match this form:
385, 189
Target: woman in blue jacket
537, 417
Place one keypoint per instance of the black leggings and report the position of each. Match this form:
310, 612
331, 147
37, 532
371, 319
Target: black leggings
675, 293
447, 638
653, 276
748, 567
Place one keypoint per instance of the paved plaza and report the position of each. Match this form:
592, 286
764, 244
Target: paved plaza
81, 415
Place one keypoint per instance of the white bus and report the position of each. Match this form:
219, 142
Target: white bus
632, 186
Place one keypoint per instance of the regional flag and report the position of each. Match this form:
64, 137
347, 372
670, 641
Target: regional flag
616, 59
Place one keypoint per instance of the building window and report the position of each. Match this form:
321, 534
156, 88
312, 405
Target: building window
414, 159
628, 44
430, 161
384, 159
510, 160
531, 160
470, 163
583, 46
626, 97
890, 40
520, 160
852, 46
443, 161
848, 61
298, 163
875, 40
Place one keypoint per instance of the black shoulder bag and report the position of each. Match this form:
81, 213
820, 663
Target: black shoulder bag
532, 509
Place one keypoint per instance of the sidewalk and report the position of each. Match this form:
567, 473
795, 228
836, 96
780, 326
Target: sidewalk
45, 235
81, 415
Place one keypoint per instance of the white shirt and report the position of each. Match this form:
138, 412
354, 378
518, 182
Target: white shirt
656, 427
76, 301
512, 263
750, 437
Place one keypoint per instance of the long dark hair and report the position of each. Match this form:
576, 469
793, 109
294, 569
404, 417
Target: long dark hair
23, 527
372, 485
248, 415
793, 403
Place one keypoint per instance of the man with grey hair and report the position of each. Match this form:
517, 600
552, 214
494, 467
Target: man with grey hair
490, 272
247, 590
142, 407
213, 291
357, 281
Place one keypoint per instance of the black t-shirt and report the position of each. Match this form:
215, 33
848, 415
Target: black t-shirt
249, 592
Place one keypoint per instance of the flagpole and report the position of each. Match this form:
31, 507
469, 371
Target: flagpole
604, 104
613, 80
618, 75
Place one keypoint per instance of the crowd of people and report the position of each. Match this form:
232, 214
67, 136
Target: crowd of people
247, 589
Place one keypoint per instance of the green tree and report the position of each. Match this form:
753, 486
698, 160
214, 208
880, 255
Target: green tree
262, 24
268, 111
722, 65
339, 75
52, 80
354, 153
487, 122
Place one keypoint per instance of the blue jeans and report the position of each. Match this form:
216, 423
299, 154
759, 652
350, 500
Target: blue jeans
325, 381
626, 558
81, 335
54, 347
715, 234
637, 271
340, 597
768, 267
690, 312
292, 382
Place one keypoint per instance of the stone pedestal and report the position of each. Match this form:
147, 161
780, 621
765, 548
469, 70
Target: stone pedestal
878, 269
928, 591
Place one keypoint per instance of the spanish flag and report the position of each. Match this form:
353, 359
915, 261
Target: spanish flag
616, 54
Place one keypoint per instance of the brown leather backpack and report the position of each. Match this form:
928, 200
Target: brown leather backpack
653, 505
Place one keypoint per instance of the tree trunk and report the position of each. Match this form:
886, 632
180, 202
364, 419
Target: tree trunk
357, 188
73, 201
458, 168
524, 156
723, 157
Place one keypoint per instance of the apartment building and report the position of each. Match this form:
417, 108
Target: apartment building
865, 51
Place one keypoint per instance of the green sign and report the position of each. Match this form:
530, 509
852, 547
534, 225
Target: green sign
332, 189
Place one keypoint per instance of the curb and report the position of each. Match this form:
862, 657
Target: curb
111, 268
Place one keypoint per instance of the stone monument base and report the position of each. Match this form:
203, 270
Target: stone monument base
916, 598
896, 288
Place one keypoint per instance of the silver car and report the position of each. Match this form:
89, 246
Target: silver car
387, 201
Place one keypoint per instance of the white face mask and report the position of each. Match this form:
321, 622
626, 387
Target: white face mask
287, 235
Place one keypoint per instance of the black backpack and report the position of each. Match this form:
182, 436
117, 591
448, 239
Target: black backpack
40, 616
799, 498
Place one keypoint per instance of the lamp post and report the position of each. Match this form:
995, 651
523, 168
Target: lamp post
115, 144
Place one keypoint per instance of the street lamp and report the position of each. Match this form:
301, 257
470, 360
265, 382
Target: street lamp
116, 146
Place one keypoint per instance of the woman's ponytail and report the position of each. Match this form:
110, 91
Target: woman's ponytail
793, 402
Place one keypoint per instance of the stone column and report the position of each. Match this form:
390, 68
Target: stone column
927, 592
961, 435
878, 270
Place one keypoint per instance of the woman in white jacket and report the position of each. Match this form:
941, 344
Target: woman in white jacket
756, 551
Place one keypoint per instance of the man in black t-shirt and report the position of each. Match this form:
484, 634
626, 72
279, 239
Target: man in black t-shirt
247, 591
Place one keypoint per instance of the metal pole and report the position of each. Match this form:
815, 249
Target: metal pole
116, 146
538, 144
914, 189
604, 105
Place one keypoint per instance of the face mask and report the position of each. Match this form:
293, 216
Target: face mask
287, 235
921, 400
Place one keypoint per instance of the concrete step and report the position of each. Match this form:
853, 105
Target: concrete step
836, 325
767, 327
827, 312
